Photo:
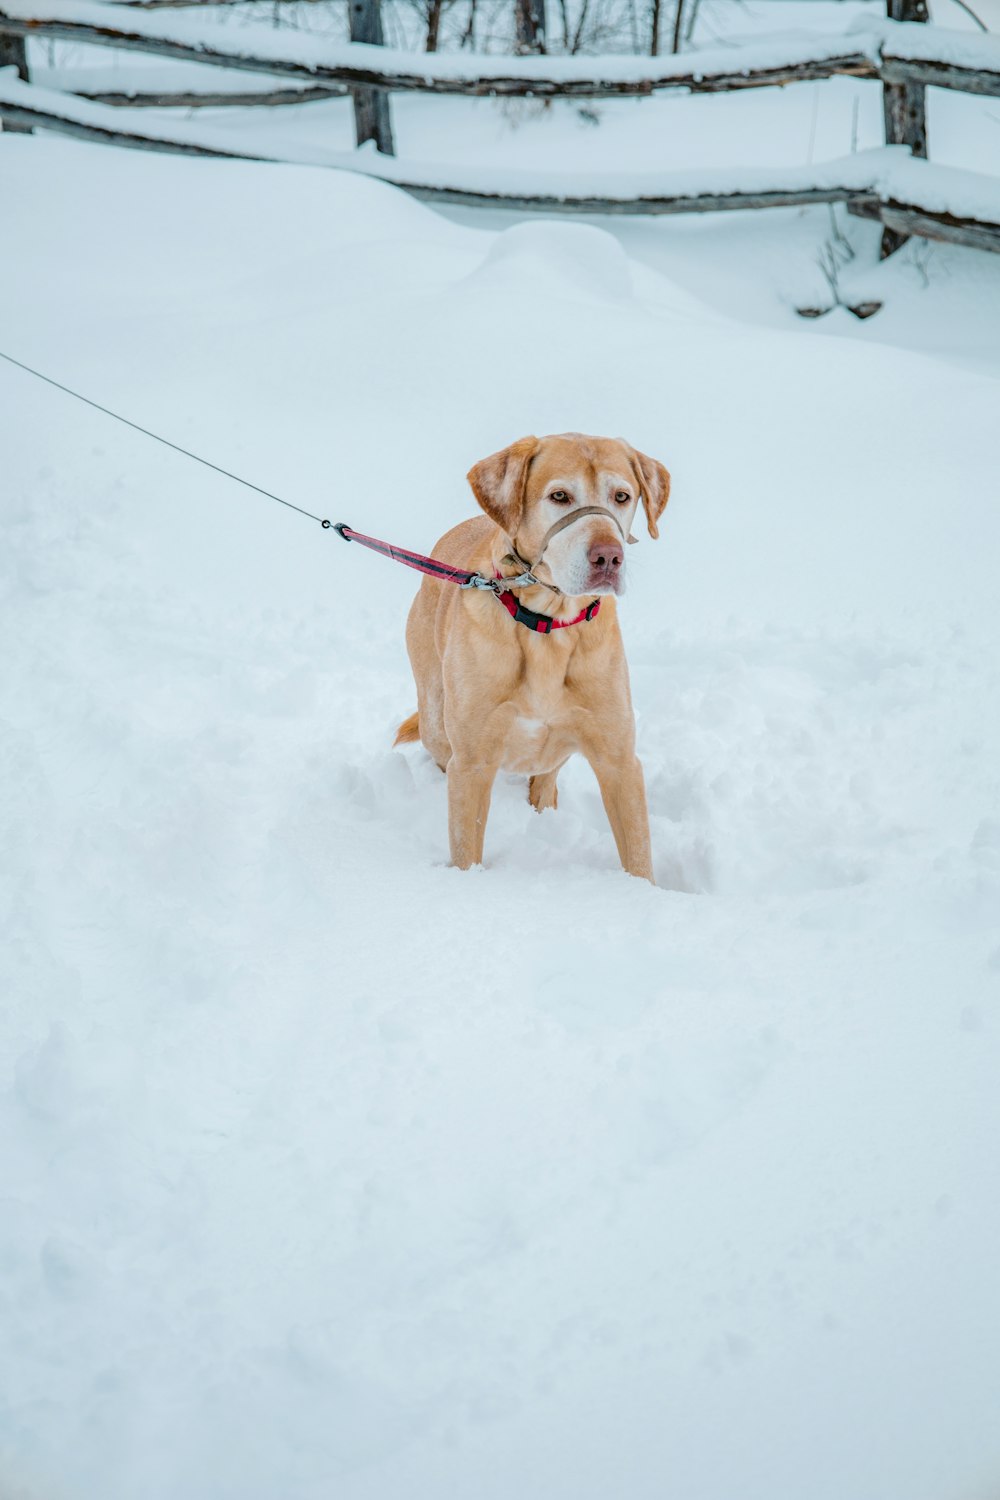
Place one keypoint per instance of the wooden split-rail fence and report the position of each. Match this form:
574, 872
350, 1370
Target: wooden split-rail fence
904, 53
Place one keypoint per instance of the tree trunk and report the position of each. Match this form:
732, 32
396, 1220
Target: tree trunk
903, 106
564, 17
529, 21
469, 34
14, 53
433, 24
654, 36
372, 120
678, 27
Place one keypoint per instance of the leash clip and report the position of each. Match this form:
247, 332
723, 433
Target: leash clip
499, 585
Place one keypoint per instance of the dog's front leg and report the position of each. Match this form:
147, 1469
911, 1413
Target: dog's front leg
623, 791
470, 784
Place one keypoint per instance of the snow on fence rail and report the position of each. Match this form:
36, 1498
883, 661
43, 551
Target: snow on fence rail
208, 98
909, 51
191, 38
902, 52
951, 60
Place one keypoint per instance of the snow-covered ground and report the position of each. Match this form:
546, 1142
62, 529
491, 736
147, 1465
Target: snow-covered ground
326, 1170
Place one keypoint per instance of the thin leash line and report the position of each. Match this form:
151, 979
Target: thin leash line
428, 565
158, 439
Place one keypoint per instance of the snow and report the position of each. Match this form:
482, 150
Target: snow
141, 73
969, 49
938, 188
328, 1170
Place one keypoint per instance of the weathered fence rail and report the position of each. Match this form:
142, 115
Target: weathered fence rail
902, 52
888, 50
359, 63
208, 98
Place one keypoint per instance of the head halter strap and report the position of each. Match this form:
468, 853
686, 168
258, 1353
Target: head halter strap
560, 525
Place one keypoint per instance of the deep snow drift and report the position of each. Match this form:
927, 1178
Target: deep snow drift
329, 1171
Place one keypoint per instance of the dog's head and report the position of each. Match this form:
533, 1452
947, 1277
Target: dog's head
534, 488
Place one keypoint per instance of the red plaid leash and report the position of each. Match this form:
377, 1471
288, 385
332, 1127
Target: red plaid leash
428, 565
542, 624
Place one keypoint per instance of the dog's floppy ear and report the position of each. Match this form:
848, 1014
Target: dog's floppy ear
654, 481
498, 483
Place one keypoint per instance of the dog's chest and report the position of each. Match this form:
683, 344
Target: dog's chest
537, 733
526, 745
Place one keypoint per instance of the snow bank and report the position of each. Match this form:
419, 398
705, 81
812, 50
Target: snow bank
329, 1171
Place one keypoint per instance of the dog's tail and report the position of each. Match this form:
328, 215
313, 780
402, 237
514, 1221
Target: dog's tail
408, 731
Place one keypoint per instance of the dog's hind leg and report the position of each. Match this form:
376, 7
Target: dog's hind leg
542, 789
427, 724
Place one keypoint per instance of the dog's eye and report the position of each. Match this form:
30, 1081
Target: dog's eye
559, 496
622, 497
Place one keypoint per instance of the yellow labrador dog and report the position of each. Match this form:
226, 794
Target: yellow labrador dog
518, 678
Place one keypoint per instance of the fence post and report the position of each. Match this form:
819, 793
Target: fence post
372, 120
14, 53
904, 108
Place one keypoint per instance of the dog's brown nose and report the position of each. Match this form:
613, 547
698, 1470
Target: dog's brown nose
605, 555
